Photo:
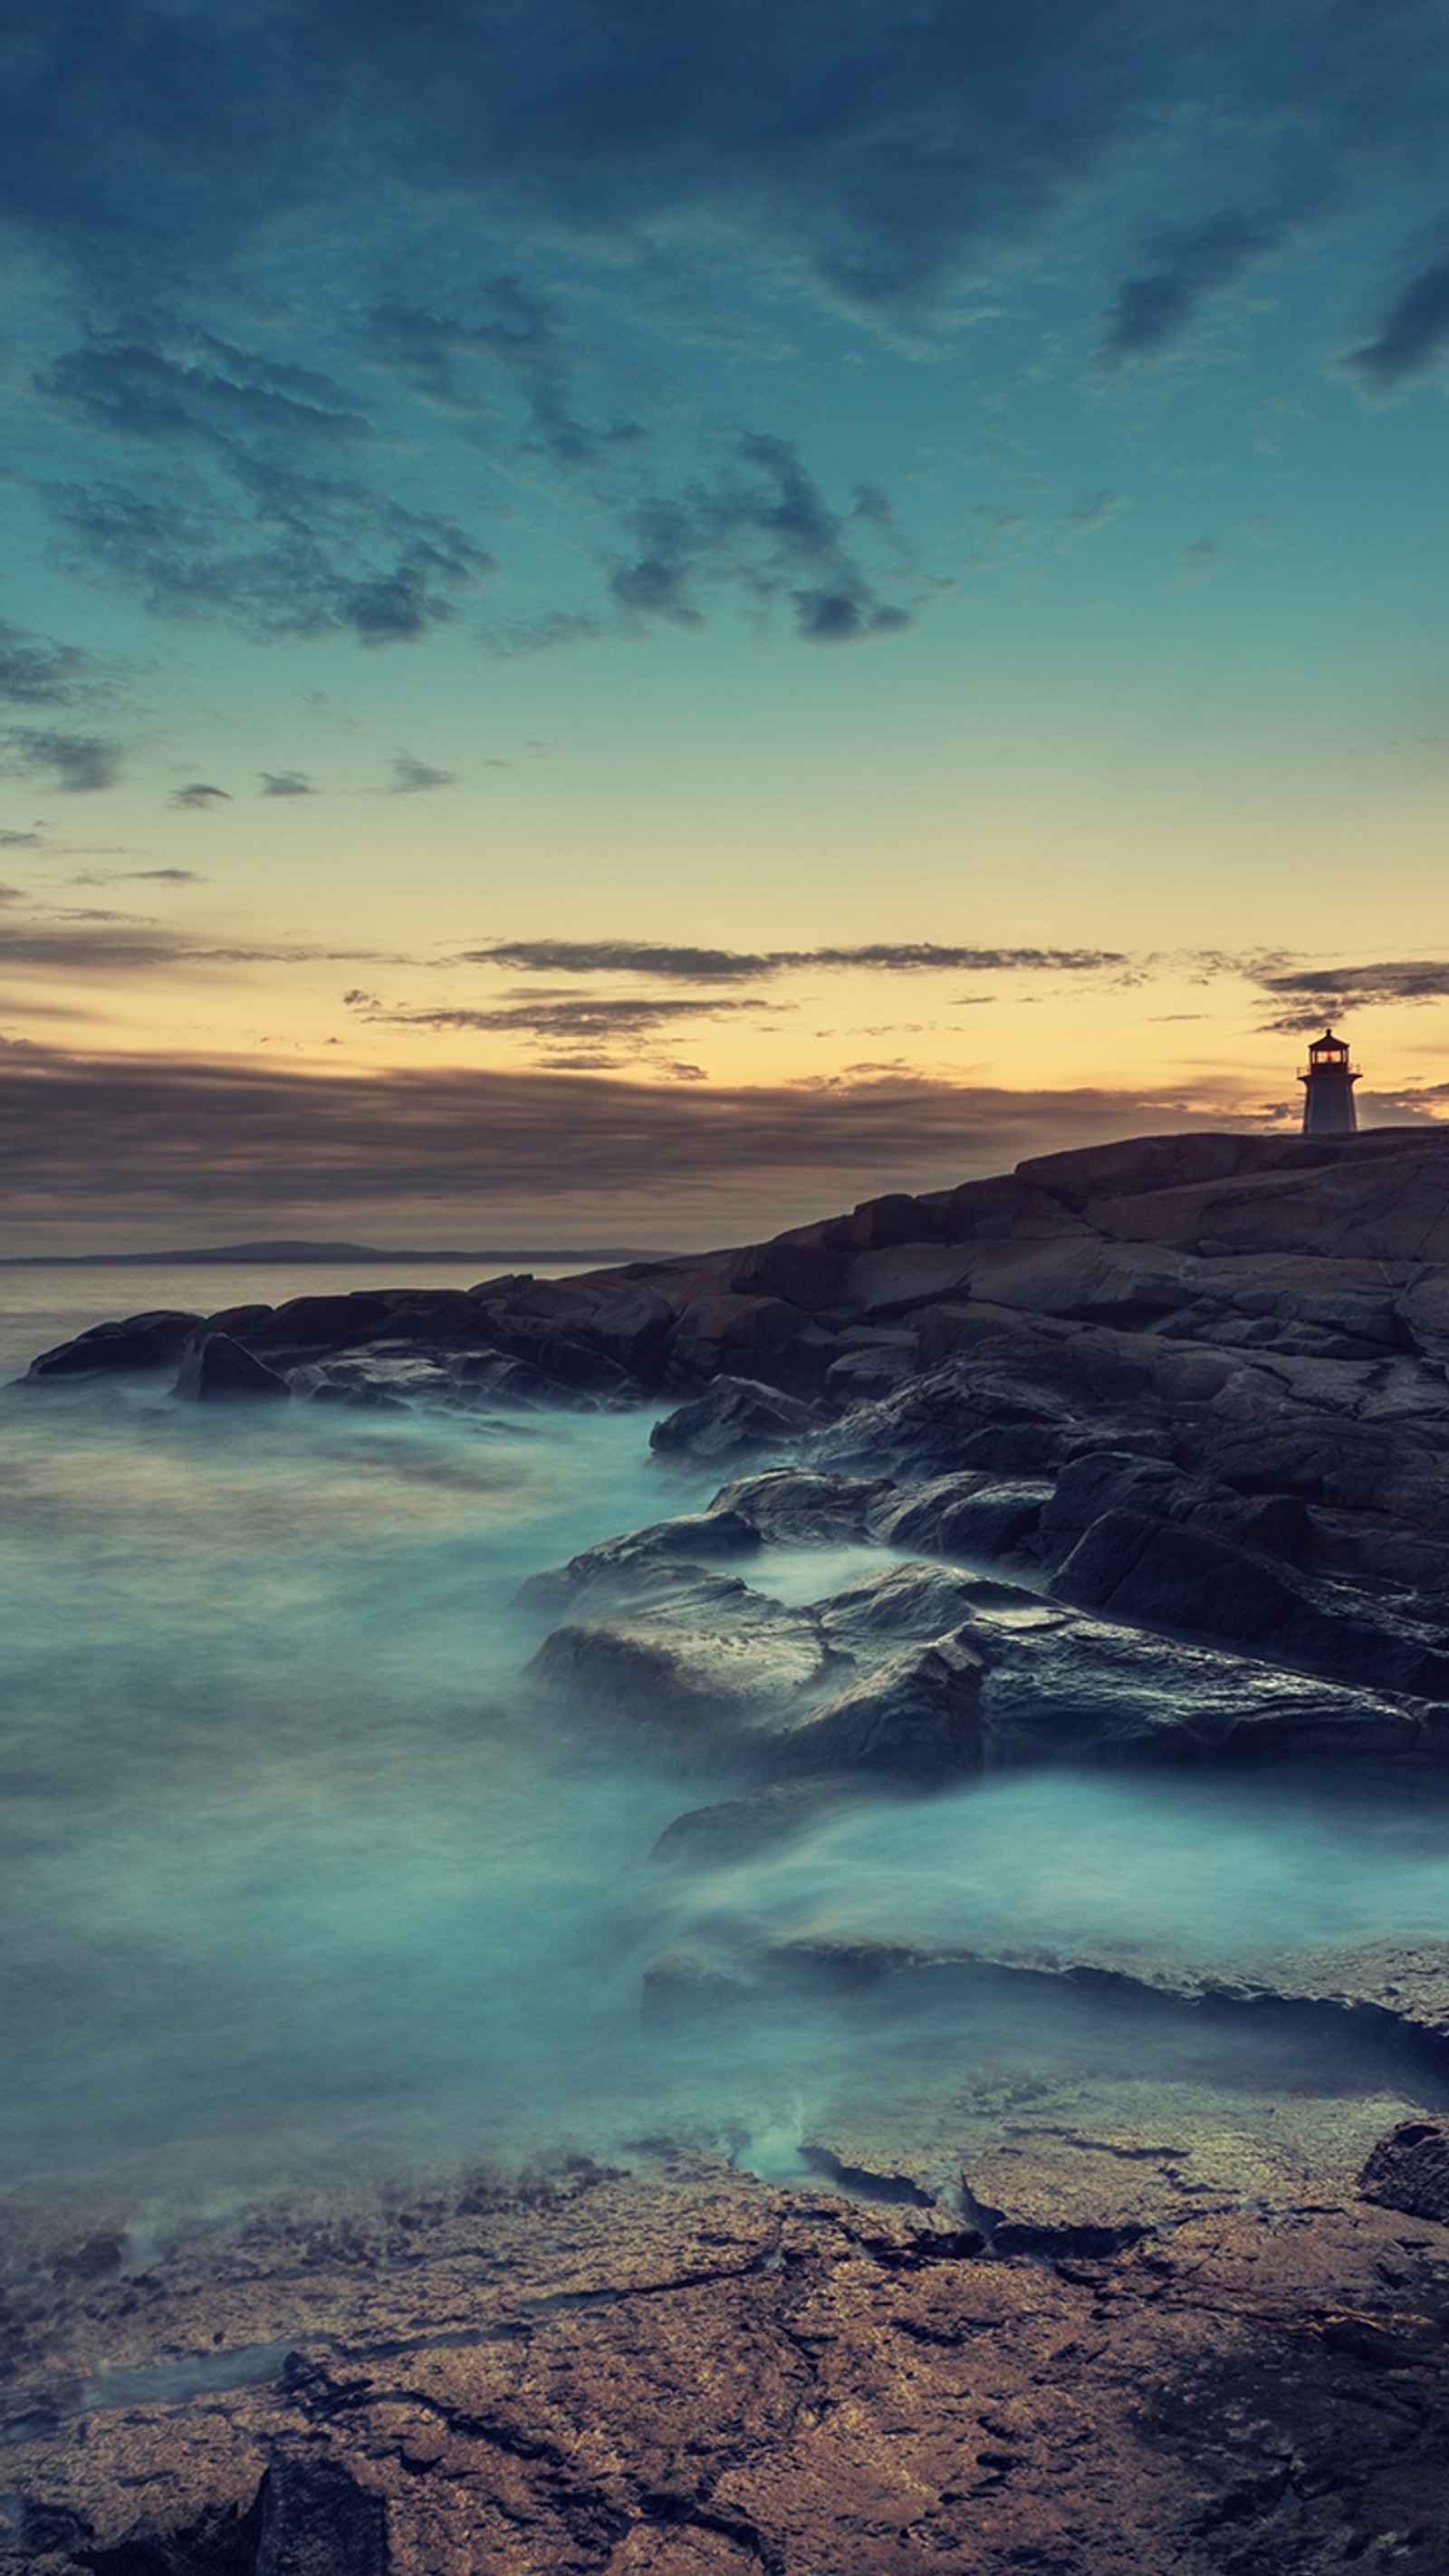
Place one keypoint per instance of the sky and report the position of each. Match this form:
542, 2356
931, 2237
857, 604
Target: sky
628, 623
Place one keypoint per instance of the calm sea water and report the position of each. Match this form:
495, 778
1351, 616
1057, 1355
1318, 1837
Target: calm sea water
296, 1879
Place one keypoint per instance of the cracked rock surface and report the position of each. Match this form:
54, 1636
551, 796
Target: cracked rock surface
683, 2370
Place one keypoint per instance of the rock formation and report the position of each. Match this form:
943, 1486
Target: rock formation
1146, 1453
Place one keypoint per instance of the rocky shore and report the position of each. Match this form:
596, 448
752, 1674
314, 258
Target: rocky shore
1141, 1455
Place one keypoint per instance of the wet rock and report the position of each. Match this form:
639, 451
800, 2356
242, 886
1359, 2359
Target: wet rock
913, 1603
1409, 2170
217, 1370
493, 1378
737, 1415
866, 1370
634, 1330
737, 1828
710, 1656
917, 1718
584, 1370
1134, 1566
792, 1507
973, 1516
149, 1341
649, 1560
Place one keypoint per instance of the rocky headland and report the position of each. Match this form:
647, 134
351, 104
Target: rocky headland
1143, 1455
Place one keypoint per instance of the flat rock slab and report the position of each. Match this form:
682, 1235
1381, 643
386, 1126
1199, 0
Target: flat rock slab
703, 2376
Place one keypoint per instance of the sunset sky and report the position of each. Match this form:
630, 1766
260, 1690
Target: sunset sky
623, 622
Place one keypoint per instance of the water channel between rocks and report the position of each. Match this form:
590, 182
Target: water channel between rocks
300, 1886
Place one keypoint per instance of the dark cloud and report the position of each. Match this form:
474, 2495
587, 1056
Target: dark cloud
762, 522
22, 840
90, 1142
730, 965
199, 389
188, 162
199, 798
1413, 336
232, 504
1311, 995
272, 551
78, 764
628, 1022
287, 782
880, 152
412, 777
70, 944
1156, 308
518, 335
138, 876
36, 671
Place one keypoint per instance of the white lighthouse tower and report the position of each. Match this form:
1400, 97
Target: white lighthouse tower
1328, 1079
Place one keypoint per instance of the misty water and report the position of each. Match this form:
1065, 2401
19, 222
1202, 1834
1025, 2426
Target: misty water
298, 1881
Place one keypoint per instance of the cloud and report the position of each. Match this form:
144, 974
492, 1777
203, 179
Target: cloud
412, 777
1198, 562
138, 876
1153, 310
200, 798
1412, 337
628, 1023
287, 782
273, 552
36, 671
87, 1143
1311, 995
380, 191
78, 764
232, 503
730, 965
761, 522
521, 337
68, 944
1094, 510
22, 840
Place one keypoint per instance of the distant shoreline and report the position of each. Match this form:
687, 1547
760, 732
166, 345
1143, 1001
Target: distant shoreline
601, 1255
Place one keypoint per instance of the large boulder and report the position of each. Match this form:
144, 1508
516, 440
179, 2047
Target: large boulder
647, 1561
711, 1660
1409, 2170
792, 1507
737, 1415
148, 1341
973, 1517
1132, 1565
216, 1370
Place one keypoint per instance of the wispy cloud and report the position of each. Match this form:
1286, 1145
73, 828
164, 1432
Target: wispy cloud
730, 965
77, 764
412, 777
1304, 997
199, 798
1412, 338
287, 782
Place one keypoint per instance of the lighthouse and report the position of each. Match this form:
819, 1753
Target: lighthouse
1328, 1079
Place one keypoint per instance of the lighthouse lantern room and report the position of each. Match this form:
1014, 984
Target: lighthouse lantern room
1328, 1079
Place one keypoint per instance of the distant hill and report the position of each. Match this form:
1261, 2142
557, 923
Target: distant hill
290, 1249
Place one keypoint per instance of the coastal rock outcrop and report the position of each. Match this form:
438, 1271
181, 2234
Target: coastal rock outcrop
1195, 1384
217, 1370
